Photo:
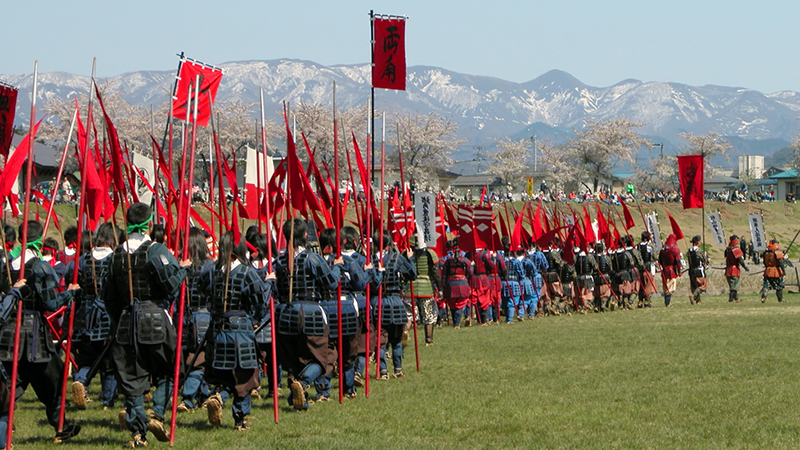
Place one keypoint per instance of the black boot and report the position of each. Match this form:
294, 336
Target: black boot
429, 334
779, 292
667, 300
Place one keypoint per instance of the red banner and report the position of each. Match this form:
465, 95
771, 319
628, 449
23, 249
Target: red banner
690, 173
389, 53
8, 104
209, 83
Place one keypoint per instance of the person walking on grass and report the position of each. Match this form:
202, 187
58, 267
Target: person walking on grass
774, 269
698, 262
734, 258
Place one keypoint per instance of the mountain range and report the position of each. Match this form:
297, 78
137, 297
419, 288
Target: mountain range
485, 108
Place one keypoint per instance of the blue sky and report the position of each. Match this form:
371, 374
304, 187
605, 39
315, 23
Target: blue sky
730, 43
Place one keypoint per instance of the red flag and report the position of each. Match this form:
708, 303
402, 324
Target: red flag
690, 174
587, 227
537, 221
626, 214
466, 236
14, 164
117, 163
96, 192
389, 53
46, 206
483, 194
8, 104
602, 227
483, 221
676, 229
209, 83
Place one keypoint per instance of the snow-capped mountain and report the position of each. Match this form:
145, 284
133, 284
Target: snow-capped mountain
484, 107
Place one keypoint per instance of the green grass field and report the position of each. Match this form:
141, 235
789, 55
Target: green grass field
717, 375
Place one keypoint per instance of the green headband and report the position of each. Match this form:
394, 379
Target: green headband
35, 245
140, 227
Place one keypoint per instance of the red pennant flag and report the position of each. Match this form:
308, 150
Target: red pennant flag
466, 236
389, 53
8, 105
626, 214
537, 221
587, 227
676, 229
209, 83
602, 227
14, 164
96, 192
117, 163
483, 194
690, 174
483, 220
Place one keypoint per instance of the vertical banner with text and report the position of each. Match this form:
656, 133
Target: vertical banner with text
757, 232
715, 225
425, 215
8, 104
651, 222
389, 53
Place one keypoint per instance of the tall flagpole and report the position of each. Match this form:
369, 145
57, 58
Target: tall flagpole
338, 225
380, 251
372, 95
23, 244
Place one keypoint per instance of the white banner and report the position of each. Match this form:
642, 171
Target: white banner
757, 232
425, 216
651, 221
145, 166
715, 225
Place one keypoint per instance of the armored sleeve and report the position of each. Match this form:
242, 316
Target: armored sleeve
326, 276
433, 272
46, 282
114, 303
165, 269
358, 277
258, 295
407, 268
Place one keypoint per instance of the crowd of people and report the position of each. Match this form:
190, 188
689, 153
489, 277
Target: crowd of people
328, 292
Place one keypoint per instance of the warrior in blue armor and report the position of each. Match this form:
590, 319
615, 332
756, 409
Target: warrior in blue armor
39, 365
92, 326
302, 276
143, 280
237, 298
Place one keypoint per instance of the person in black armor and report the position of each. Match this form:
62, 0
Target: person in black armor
302, 277
354, 279
143, 280
237, 298
92, 326
257, 244
196, 322
585, 266
398, 268
555, 289
647, 271
603, 297
623, 263
698, 262
39, 365
350, 243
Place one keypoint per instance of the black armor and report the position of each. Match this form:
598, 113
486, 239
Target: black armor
91, 318
140, 278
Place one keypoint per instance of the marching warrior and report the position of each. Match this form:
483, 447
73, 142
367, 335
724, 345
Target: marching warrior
496, 266
540, 265
398, 269
456, 275
512, 290
602, 289
146, 340
480, 285
238, 301
197, 319
585, 266
354, 279
698, 262
426, 287
647, 270
39, 365
302, 323
670, 260
555, 289
774, 261
92, 326
733, 259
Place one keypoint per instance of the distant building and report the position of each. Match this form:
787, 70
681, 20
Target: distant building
751, 166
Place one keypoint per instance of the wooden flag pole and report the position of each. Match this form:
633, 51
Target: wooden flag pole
59, 174
408, 244
338, 226
368, 250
